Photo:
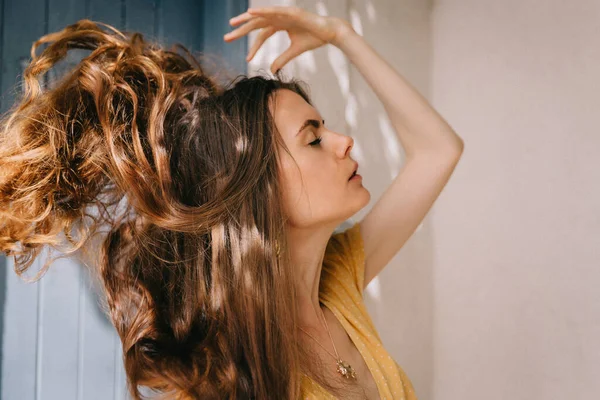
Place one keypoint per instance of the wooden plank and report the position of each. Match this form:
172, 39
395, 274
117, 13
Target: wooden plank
120, 377
60, 14
19, 337
61, 287
3, 260
140, 17
181, 21
59, 342
21, 306
2, 30
232, 55
110, 12
16, 43
99, 338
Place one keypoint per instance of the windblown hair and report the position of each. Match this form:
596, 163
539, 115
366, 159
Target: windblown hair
183, 174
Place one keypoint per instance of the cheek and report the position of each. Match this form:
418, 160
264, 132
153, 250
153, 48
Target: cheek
291, 182
309, 191
304, 176
289, 176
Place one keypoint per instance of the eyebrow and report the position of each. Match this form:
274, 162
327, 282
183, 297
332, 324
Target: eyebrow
310, 122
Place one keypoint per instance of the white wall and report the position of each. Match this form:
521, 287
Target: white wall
518, 232
495, 296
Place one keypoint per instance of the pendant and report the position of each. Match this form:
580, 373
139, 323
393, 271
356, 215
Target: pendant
345, 369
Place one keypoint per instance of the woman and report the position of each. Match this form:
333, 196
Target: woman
222, 273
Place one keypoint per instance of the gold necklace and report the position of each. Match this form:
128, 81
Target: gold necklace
343, 368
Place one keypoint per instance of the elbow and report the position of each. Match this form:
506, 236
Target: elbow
454, 149
456, 146
460, 146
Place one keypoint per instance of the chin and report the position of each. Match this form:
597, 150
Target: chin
367, 195
362, 200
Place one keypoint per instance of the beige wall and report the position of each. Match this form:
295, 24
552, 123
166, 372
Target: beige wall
496, 294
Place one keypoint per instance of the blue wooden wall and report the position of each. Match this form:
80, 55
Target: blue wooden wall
56, 341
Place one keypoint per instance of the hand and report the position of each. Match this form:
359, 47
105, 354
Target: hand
306, 30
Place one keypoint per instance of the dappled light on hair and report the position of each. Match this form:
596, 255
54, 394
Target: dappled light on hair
178, 176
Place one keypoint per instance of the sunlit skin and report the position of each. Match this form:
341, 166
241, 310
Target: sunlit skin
317, 194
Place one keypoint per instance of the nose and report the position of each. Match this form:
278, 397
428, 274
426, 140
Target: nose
348, 145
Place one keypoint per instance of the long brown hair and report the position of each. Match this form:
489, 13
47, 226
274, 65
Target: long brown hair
182, 172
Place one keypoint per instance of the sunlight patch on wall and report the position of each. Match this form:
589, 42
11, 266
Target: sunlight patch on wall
351, 112
321, 9
339, 64
391, 149
273, 47
374, 289
371, 13
355, 21
306, 61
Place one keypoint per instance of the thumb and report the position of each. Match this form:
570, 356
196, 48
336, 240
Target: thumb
284, 58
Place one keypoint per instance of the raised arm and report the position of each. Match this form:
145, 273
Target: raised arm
432, 151
432, 148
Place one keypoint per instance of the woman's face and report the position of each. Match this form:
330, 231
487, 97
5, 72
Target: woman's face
317, 190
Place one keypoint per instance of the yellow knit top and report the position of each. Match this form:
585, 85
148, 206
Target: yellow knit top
341, 291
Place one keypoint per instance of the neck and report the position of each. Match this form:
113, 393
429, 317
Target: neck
307, 250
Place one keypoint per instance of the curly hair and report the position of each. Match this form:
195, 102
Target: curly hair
182, 172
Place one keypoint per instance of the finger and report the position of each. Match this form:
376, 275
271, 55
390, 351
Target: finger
264, 34
276, 10
238, 19
284, 58
244, 29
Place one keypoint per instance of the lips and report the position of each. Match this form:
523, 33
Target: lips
354, 170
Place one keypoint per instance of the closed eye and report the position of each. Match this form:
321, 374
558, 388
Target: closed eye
316, 142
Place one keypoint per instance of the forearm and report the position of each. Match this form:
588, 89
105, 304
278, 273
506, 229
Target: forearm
419, 127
